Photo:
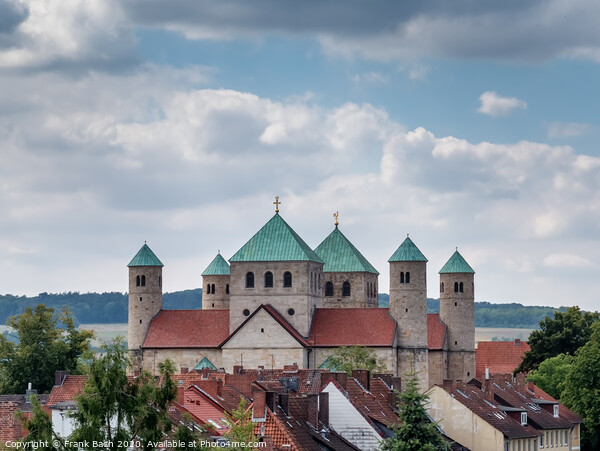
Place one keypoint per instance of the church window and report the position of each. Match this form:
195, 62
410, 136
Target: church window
137, 281
262, 330
160, 281
246, 312
346, 288
140, 321
291, 311
268, 279
402, 277
212, 288
227, 289
456, 342
406, 310
460, 287
213, 304
329, 289
442, 287
250, 280
407, 277
319, 282
287, 279
140, 299
456, 304
456, 287
208, 288
143, 281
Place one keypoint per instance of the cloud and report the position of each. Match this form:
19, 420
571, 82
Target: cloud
371, 78
562, 130
495, 105
566, 261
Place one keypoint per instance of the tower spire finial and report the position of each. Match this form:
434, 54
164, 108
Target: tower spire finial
336, 215
276, 203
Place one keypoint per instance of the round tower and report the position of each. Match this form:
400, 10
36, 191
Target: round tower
145, 296
408, 306
457, 311
215, 284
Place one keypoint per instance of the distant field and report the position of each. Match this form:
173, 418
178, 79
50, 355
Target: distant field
106, 332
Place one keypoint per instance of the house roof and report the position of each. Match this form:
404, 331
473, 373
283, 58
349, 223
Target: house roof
218, 267
145, 257
407, 252
499, 356
340, 255
275, 241
188, 329
436, 331
352, 326
71, 387
456, 264
537, 393
372, 403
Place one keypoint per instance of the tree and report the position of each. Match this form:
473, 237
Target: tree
39, 426
242, 428
348, 358
115, 410
47, 342
550, 375
582, 389
563, 334
416, 431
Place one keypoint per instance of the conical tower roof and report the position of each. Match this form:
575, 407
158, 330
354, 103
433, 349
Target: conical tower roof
218, 267
407, 252
275, 241
456, 264
340, 255
145, 257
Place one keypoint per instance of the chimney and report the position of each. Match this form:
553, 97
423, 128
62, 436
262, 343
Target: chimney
517, 342
531, 386
271, 400
324, 409
237, 369
184, 370
59, 377
520, 382
312, 414
180, 391
363, 377
392, 399
396, 383
259, 403
284, 402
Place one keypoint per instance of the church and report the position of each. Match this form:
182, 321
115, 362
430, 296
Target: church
278, 302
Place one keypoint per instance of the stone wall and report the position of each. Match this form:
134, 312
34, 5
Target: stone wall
182, 357
145, 301
438, 366
457, 311
363, 290
414, 360
219, 299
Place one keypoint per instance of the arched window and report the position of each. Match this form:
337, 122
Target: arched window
460, 287
407, 277
346, 288
160, 281
137, 281
227, 289
401, 277
329, 289
442, 287
208, 288
143, 281
212, 288
456, 287
268, 279
287, 279
250, 280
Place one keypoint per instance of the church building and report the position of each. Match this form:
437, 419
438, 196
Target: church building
278, 302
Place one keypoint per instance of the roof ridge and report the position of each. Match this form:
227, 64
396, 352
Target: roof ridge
340, 255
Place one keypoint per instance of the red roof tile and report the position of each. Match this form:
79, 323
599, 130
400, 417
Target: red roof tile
71, 387
188, 329
499, 356
352, 326
436, 331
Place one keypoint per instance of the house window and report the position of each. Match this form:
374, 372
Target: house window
542, 440
143, 281
346, 288
250, 280
402, 277
329, 289
523, 418
407, 277
268, 279
137, 281
287, 279
555, 410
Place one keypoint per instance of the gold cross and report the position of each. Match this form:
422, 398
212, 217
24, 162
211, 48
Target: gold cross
336, 215
276, 203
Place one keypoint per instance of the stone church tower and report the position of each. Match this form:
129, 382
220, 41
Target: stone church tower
408, 306
215, 283
457, 311
145, 298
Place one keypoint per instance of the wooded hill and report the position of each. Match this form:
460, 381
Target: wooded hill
112, 307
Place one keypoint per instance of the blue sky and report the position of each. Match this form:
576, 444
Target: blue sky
471, 124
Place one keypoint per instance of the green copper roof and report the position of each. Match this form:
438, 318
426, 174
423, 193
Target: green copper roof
276, 241
218, 267
145, 257
340, 255
205, 363
456, 264
407, 252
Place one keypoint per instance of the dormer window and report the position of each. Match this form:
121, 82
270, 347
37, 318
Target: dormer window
523, 418
555, 410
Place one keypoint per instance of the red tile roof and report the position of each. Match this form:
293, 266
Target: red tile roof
352, 326
71, 387
499, 356
188, 329
436, 331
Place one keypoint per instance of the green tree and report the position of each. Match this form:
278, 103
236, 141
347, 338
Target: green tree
47, 342
242, 428
550, 375
39, 427
348, 358
563, 334
415, 432
115, 410
582, 389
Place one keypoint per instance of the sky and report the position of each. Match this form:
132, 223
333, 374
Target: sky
466, 124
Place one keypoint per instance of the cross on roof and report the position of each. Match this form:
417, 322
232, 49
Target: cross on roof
276, 203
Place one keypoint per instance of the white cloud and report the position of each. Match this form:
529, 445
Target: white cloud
496, 105
562, 130
371, 78
566, 261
